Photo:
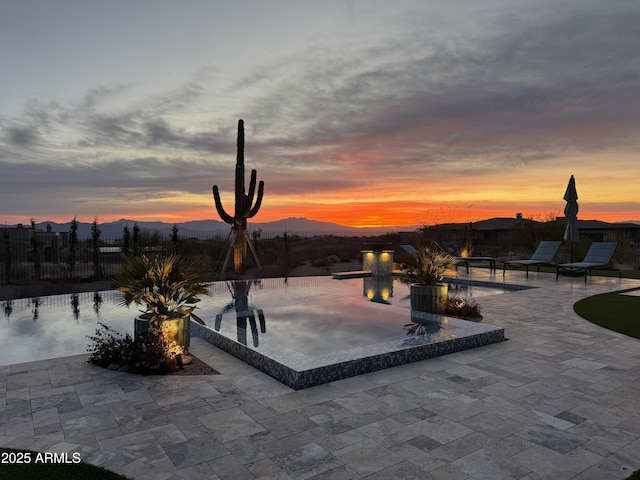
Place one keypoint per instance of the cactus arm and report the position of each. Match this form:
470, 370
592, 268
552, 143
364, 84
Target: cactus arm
252, 185
248, 199
223, 215
256, 207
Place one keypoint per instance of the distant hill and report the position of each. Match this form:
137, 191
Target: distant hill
207, 228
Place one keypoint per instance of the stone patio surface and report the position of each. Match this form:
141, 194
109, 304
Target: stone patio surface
560, 399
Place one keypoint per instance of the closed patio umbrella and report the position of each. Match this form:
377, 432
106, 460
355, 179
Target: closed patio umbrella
571, 214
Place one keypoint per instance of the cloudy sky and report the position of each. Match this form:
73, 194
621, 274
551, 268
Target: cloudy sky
361, 112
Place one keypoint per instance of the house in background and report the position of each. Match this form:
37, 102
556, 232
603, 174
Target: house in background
19, 233
502, 236
52, 244
598, 231
486, 237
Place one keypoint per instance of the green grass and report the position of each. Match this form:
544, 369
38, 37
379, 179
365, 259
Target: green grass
596, 273
620, 313
34, 470
634, 476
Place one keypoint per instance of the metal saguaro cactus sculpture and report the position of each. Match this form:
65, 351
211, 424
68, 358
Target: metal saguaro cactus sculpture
244, 208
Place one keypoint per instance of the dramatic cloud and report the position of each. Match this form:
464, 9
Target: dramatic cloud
403, 102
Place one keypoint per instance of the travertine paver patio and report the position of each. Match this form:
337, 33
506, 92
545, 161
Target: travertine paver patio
559, 399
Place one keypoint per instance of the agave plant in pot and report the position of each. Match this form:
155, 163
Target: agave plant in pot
167, 288
426, 271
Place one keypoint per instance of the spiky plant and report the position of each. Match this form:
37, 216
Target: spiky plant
166, 287
429, 265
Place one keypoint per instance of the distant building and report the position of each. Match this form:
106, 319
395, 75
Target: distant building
497, 236
482, 235
18, 233
599, 231
52, 244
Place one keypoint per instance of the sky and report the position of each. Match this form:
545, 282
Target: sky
362, 112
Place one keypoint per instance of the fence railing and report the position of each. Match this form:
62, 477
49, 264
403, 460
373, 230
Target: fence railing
278, 252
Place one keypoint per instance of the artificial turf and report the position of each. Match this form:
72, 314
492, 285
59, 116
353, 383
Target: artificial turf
27, 465
596, 273
617, 312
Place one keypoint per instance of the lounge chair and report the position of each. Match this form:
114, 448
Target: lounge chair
459, 260
598, 257
465, 261
544, 255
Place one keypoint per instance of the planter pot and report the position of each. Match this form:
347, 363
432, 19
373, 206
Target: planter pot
429, 298
176, 329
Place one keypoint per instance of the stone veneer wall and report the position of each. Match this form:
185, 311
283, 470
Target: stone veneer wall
329, 373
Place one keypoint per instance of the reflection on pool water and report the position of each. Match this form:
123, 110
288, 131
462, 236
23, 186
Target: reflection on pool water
54, 326
314, 330
302, 321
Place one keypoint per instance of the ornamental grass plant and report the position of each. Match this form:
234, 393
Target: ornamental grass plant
429, 265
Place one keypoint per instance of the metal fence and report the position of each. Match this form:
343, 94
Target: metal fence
279, 253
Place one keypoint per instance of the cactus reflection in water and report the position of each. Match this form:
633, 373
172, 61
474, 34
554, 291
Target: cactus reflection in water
246, 316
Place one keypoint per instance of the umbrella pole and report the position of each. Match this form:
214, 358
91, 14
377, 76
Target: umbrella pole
571, 251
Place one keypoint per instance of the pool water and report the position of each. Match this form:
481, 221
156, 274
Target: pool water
300, 322
313, 330
54, 326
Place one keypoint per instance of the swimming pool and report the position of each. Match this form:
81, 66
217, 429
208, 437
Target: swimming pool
297, 324
53, 326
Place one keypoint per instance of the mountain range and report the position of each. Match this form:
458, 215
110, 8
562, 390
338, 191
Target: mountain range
208, 228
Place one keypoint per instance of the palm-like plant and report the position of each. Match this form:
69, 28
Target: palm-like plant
429, 265
167, 287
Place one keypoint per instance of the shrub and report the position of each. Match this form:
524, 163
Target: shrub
150, 354
320, 262
108, 346
462, 307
